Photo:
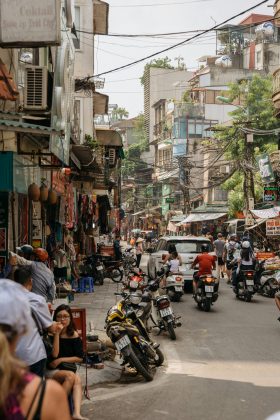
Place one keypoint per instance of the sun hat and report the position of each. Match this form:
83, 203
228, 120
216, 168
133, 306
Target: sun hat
14, 307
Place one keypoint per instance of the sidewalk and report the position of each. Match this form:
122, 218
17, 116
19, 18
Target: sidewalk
97, 304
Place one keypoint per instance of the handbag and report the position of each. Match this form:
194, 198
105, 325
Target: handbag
68, 366
44, 335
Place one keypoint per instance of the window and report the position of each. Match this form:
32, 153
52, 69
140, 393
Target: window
77, 42
220, 195
189, 247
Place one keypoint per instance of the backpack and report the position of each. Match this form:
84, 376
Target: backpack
231, 250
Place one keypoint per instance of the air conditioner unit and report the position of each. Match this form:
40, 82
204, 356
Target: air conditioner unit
35, 88
112, 157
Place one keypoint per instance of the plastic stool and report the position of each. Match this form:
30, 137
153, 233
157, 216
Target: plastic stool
86, 285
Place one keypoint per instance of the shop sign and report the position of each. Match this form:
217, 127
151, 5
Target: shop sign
270, 194
265, 255
4, 218
273, 227
170, 200
29, 23
265, 168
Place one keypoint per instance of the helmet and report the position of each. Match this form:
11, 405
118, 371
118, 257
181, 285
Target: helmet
204, 248
41, 254
25, 249
246, 244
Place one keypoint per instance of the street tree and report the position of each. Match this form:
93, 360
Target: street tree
256, 111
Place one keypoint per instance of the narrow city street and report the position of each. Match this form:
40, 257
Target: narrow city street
223, 365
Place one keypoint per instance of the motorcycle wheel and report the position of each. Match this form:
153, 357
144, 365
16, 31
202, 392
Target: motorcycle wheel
116, 275
207, 305
160, 360
135, 362
248, 298
171, 331
100, 279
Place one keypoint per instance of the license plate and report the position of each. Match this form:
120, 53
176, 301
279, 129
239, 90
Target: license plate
250, 282
122, 342
209, 289
165, 312
99, 268
178, 288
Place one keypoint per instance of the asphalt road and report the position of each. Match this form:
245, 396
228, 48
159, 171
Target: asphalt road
224, 365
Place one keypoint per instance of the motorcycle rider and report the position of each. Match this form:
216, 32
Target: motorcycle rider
42, 277
230, 248
206, 264
246, 261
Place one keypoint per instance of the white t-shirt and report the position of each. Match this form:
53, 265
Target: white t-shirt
174, 266
30, 348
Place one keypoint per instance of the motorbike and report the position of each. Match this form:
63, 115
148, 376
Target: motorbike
93, 267
111, 269
267, 281
174, 286
162, 315
129, 257
206, 292
245, 287
130, 337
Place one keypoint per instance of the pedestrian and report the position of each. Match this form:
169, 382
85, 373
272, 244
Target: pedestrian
219, 245
30, 347
42, 277
23, 395
139, 251
117, 248
67, 351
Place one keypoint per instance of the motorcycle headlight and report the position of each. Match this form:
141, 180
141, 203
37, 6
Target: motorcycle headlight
135, 298
133, 284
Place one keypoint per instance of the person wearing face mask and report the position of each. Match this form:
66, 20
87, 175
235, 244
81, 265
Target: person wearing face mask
23, 395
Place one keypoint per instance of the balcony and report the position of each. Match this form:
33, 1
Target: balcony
189, 110
161, 132
276, 89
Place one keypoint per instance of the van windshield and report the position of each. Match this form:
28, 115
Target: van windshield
189, 247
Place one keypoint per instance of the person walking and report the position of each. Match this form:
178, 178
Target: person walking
219, 245
30, 347
229, 255
139, 251
23, 395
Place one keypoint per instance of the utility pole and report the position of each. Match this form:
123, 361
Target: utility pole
184, 181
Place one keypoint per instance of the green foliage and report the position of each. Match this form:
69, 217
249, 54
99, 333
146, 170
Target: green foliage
257, 112
91, 142
119, 114
160, 63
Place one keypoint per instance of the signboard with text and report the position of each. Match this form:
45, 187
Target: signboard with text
270, 194
273, 227
29, 23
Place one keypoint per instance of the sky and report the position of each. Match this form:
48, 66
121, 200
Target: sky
158, 16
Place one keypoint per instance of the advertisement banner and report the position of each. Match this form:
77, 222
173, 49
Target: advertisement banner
29, 23
265, 168
273, 227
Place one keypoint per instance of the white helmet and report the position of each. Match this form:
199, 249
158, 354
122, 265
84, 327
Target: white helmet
246, 245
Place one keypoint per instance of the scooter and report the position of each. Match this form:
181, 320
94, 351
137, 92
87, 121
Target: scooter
267, 281
174, 286
245, 287
206, 292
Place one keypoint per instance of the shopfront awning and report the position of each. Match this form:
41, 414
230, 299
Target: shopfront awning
21, 127
108, 137
203, 217
100, 103
258, 223
85, 156
266, 213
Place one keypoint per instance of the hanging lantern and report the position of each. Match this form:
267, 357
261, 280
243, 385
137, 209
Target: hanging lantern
34, 192
44, 193
52, 198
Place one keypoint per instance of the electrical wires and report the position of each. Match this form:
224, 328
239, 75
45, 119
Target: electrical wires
179, 43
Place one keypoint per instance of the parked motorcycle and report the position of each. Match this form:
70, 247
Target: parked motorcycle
130, 338
267, 281
245, 287
111, 268
162, 314
93, 267
206, 292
